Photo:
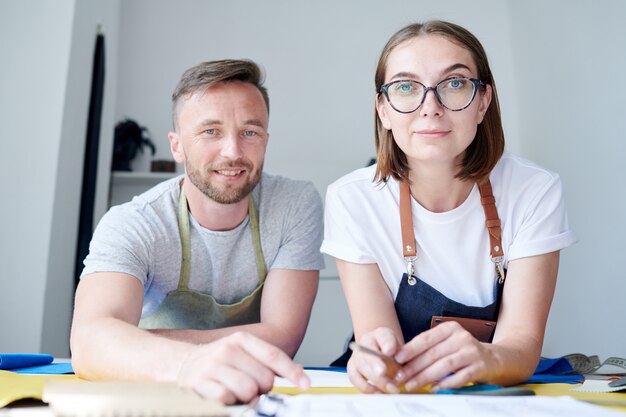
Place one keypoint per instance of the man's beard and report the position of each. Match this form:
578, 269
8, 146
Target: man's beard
227, 194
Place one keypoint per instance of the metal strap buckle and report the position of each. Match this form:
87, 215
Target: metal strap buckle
499, 268
410, 269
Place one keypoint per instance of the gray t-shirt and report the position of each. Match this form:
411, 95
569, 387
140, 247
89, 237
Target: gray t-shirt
141, 238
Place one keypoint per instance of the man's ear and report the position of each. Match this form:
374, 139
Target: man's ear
176, 147
381, 109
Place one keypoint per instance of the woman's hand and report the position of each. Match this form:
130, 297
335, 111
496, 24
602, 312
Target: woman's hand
447, 356
368, 372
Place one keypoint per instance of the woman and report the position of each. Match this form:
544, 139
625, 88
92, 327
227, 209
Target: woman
441, 223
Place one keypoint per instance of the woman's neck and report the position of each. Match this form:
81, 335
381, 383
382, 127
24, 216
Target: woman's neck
437, 190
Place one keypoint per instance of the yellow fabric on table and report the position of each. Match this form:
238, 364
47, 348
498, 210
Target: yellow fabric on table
15, 387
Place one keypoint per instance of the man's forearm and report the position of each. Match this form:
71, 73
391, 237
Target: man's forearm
109, 348
286, 339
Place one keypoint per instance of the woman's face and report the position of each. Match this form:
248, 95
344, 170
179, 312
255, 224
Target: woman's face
432, 135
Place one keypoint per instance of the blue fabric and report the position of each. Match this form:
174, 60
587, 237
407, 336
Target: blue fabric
33, 363
340, 369
557, 370
10, 361
553, 366
50, 369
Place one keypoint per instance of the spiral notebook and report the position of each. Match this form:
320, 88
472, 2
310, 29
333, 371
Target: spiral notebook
126, 399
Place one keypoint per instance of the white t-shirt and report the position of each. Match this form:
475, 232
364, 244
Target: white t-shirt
141, 238
362, 225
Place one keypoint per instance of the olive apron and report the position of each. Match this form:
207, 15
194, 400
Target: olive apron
184, 308
419, 306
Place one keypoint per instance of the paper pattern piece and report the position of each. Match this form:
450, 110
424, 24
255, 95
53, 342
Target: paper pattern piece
126, 399
598, 385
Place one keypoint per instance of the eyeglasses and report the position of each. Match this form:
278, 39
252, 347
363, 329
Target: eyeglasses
455, 94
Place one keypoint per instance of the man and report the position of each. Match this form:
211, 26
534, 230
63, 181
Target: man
192, 280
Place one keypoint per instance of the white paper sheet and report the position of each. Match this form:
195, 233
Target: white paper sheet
319, 379
597, 385
423, 405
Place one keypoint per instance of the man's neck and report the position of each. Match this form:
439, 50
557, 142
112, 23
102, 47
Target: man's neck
211, 214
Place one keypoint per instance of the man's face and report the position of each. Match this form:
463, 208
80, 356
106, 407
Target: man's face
221, 138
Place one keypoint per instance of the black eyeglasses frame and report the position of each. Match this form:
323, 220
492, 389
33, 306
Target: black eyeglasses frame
477, 84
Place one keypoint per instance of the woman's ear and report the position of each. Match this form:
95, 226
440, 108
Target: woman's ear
176, 147
381, 109
485, 101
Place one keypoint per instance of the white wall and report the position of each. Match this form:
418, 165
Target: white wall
320, 58
33, 78
88, 15
569, 59
45, 78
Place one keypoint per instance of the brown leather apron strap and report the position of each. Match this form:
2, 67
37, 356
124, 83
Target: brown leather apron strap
494, 227
406, 221
492, 221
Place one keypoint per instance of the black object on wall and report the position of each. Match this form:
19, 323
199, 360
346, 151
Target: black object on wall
90, 162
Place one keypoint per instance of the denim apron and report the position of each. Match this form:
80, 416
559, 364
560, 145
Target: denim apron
184, 308
419, 306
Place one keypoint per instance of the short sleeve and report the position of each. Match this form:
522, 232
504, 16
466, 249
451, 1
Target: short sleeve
120, 243
544, 226
302, 232
345, 215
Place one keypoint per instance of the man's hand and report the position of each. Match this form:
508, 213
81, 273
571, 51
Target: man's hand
237, 368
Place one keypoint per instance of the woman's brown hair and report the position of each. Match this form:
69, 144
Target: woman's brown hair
488, 145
